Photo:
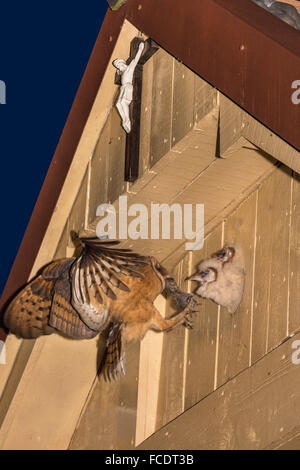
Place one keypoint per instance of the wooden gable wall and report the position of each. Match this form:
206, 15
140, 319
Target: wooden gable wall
50, 390
170, 373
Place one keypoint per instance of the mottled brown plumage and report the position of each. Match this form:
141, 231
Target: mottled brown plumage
27, 316
102, 288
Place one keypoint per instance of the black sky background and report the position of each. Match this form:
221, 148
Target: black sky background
44, 50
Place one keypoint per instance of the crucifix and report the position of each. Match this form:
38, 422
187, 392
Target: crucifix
130, 76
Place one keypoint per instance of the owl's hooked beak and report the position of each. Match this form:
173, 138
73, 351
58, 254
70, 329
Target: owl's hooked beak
195, 277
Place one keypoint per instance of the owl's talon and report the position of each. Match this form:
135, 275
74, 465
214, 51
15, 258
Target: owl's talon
188, 323
192, 304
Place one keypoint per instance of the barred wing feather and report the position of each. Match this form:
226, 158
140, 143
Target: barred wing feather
96, 278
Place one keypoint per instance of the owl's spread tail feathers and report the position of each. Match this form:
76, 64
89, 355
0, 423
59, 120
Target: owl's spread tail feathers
113, 365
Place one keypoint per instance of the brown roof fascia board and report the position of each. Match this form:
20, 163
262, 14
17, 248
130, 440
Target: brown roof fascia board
248, 54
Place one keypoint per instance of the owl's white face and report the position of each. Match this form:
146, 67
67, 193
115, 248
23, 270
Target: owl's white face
207, 279
225, 254
205, 275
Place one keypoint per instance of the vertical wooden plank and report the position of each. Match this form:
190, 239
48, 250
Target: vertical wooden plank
202, 339
234, 334
161, 105
183, 102
108, 420
294, 274
116, 161
172, 364
278, 300
270, 288
149, 377
127, 406
262, 272
205, 98
146, 113
98, 426
99, 172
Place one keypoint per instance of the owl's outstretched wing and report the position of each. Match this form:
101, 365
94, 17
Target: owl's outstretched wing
43, 306
69, 295
28, 314
96, 277
63, 316
65, 319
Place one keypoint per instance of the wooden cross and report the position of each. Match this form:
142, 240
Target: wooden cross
132, 152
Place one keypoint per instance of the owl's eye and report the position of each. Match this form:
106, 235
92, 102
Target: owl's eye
203, 273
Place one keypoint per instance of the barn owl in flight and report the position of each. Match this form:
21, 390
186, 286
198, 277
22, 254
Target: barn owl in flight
104, 288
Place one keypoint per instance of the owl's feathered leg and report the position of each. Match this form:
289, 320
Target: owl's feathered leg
171, 288
162, 324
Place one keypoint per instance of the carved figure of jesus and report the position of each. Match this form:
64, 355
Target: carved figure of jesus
126, 91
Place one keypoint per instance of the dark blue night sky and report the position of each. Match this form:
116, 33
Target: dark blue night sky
44, 50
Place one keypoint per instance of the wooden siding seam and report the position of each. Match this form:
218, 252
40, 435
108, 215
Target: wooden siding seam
186, 344
268, 301
289, 256
172, 102
218, 327
253, 281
